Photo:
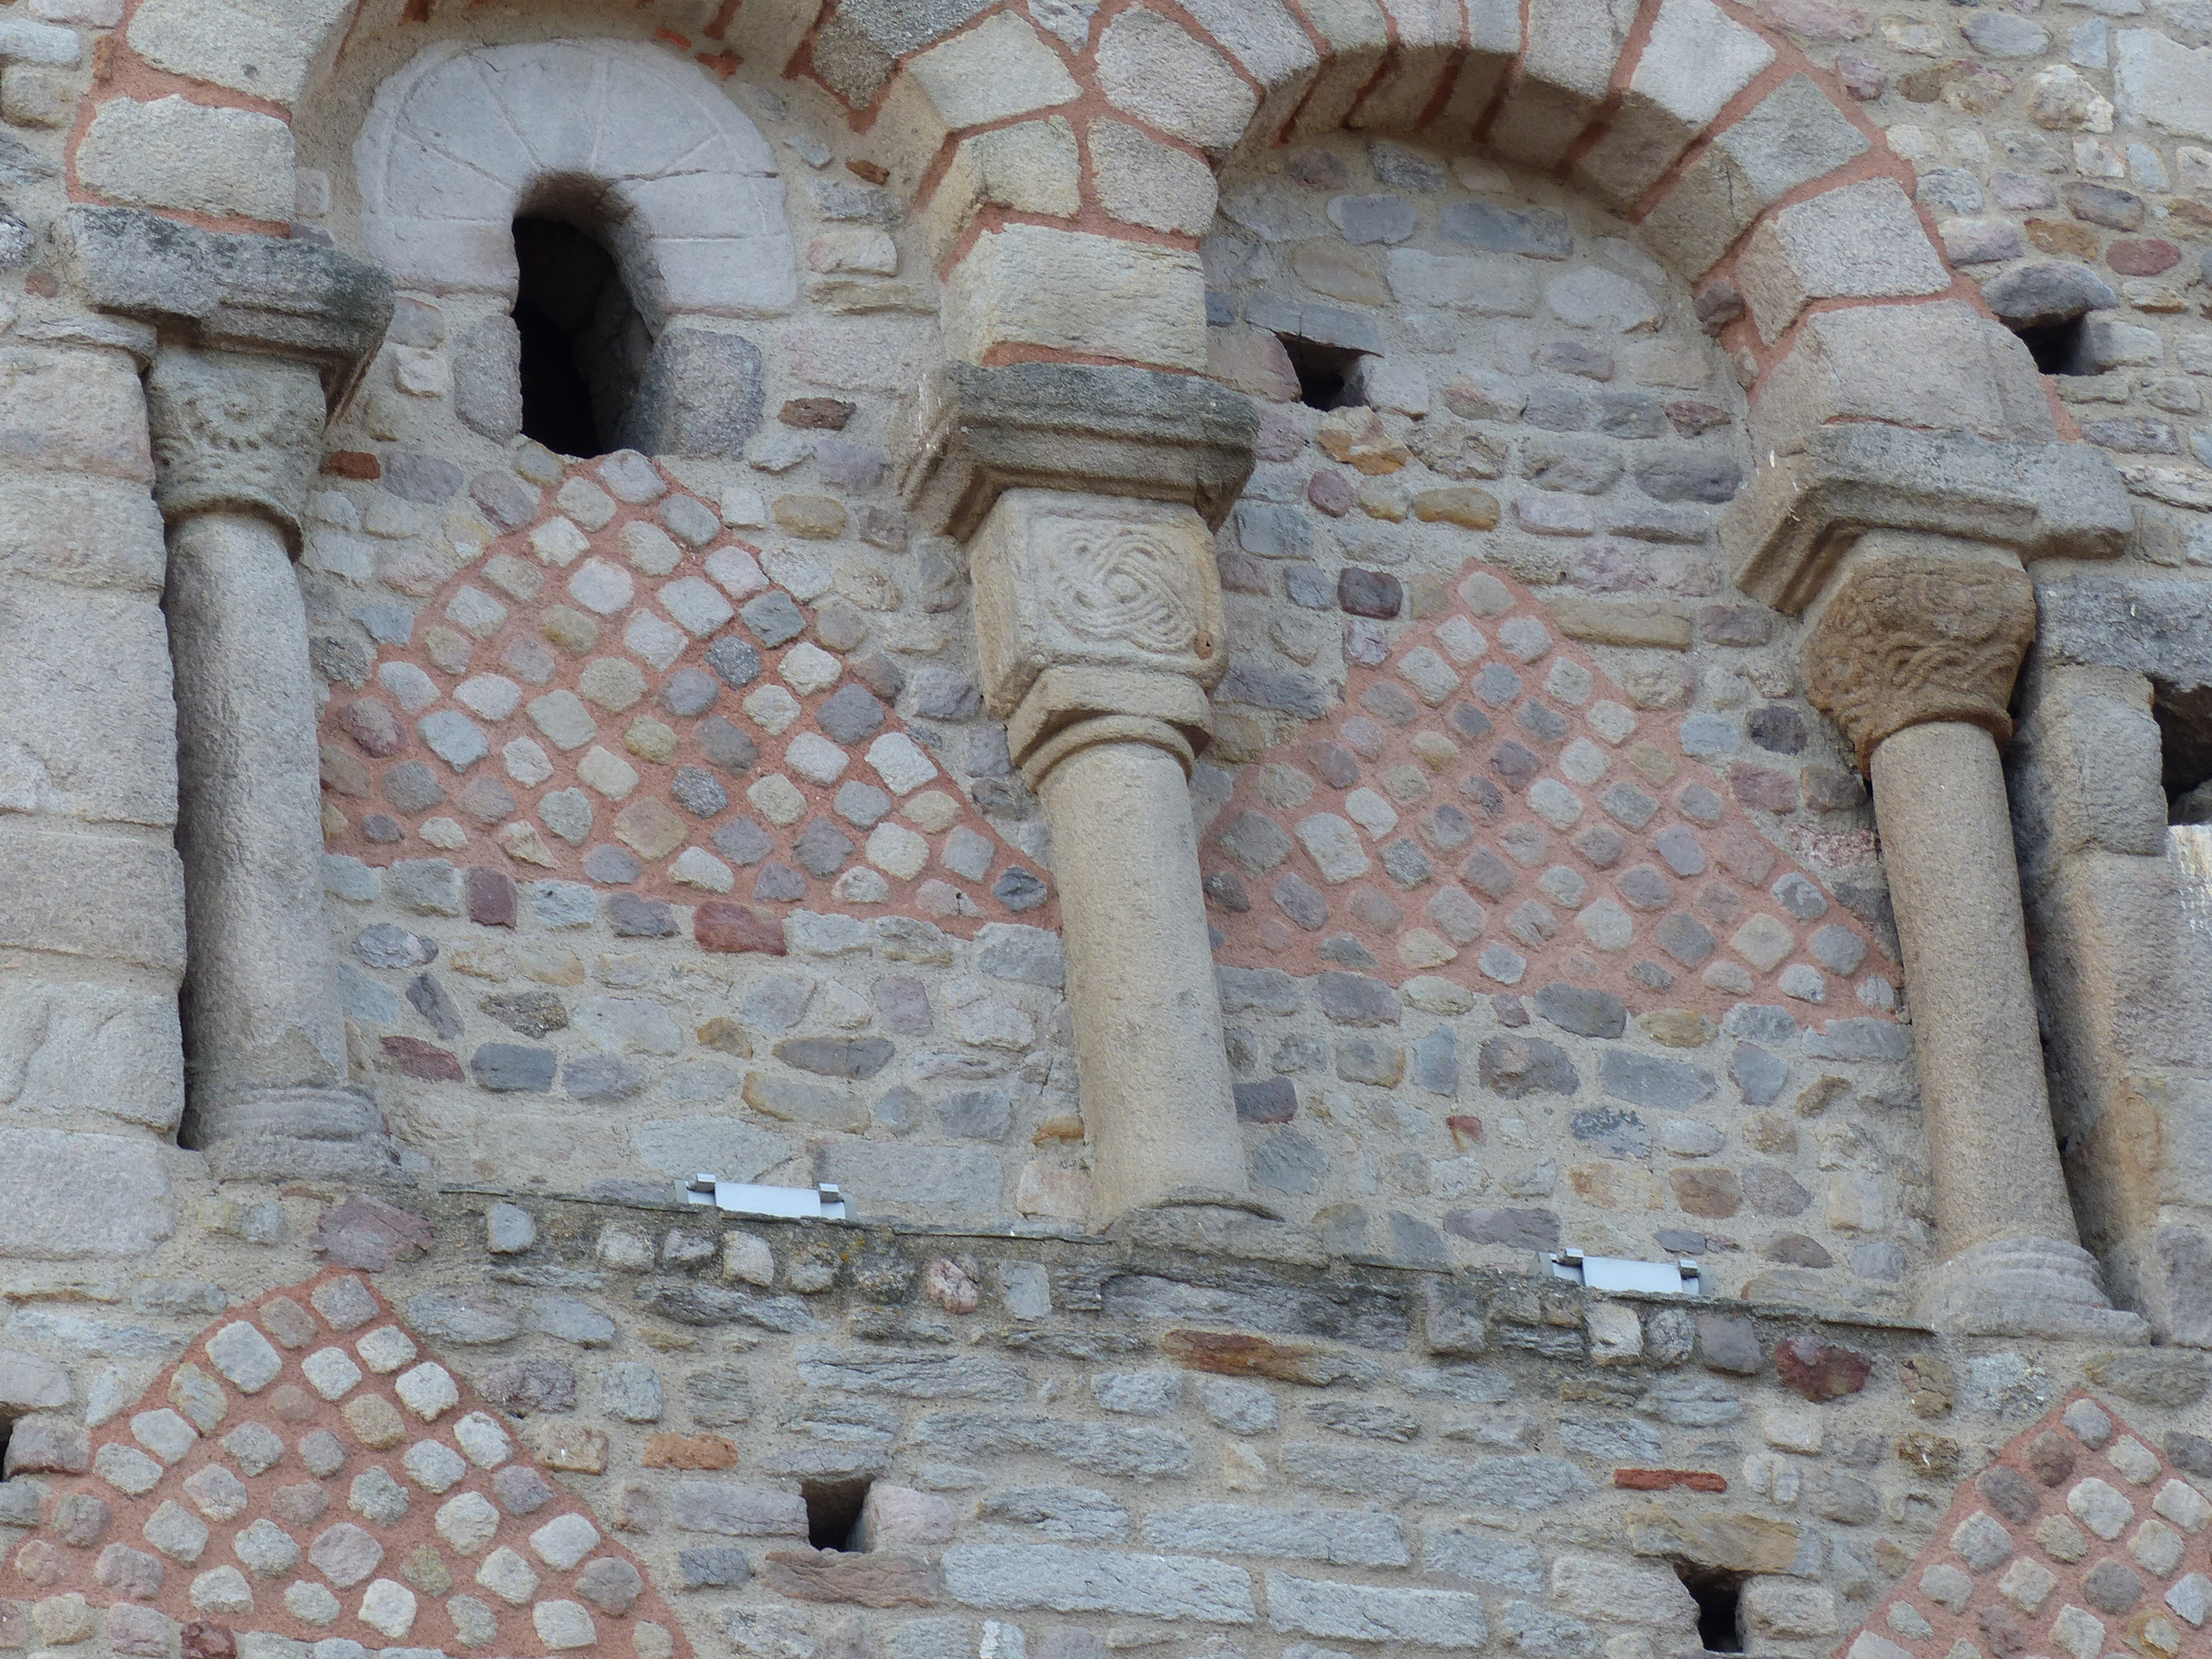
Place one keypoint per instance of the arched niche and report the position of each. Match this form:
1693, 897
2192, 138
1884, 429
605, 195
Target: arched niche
681, 184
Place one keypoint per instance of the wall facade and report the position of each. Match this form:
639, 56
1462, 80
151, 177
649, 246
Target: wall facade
1245, 664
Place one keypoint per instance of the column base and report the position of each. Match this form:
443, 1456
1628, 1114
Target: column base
2026, 1287
313, 1133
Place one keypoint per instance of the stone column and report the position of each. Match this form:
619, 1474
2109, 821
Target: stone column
236, 438
1091, 494
1913, 653
1100, 619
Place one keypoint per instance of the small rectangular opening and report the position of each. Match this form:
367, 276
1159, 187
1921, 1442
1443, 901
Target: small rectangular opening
1719, 1596
2185, 733
833, 1511
1323, 370
2055, 347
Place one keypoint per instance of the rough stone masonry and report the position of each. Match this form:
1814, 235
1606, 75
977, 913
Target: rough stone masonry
1253, 666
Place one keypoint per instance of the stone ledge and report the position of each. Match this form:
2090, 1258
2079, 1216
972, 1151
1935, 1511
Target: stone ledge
1786, 532
969, 433
2151, 625
246, 293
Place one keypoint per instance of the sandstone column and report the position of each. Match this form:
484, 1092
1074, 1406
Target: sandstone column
236, 438
1913, 653
1100, 618
1091, 494
260, 338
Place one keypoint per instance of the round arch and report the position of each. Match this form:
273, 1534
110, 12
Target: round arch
631, 138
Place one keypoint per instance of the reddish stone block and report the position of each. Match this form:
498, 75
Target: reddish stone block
491, 897
1745, 855
1466, 1131
413, 1057
879, 1579
353, 464
737, 927
1821, 1370
369, 1234
689, 1452
39, 1563
1662, 1479
2142, 256
1243, 573
1235, 1353
139, 1632
205, 1640
817, 414
1762, 790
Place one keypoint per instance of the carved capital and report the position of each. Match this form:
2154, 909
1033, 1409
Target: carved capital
1913, 637
1090, 606
235, 434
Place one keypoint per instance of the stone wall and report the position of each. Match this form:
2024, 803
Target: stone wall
471, 1427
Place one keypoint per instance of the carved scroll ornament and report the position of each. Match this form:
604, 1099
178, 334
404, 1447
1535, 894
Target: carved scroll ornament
1916, 638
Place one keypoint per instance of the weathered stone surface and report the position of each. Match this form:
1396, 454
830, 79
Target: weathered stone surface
1058, 1579
83, 1195
1361, 1612
886, 1579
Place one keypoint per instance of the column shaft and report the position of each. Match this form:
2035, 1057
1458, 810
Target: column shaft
266, 1032
1946, 843
1157, 1095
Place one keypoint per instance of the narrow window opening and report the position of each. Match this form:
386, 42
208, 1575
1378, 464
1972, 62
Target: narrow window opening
6, 1430
833, 1513
2185, 730
2057, 347
1323, 370
1719, 1596
583, 343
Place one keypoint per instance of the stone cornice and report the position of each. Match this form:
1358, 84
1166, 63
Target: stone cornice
1793, 523
969, 433
248, 294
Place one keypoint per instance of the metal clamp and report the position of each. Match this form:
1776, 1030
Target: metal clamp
1613, 1272
822, 1203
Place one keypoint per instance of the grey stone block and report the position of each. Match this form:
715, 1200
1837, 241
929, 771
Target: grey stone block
2049, 501
2152, 626
716, 1566
1794, 134
2051, 291
914, 1375
1239, 1407
1484, 1558
1662, 1084
736, 1511
970, 434
1111, 1449
701, 392
82, 1196
254, 293
1347, 1537
1078, 1514
1059, 1578
1366, 1612
488, 379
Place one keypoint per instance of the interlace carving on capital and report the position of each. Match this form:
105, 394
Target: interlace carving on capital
234, 432
1914, 639
1119, 585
